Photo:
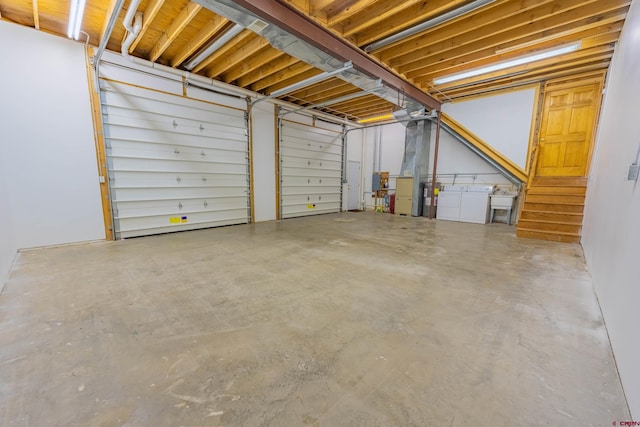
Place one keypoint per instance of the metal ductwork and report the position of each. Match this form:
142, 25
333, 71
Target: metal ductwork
285, 31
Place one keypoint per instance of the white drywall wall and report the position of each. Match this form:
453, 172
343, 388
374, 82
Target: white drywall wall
8, 243
47, 145
264, 162
503, 121
611, 231
453, 158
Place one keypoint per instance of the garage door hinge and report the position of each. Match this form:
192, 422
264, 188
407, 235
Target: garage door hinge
175, 124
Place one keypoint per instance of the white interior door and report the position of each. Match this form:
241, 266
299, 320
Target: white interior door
353, 181
174, 163
310, 169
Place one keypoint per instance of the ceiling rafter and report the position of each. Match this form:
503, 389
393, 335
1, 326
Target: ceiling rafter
576, 56
348, 9
268, 70
451, 29
371, 16
412, 16
265, 56
480, 60
237, 41
492, 35
148, 15
232, 58
213, 26
291, 75
182, 20
36, 15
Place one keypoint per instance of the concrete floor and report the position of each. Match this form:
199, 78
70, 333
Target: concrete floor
339, 320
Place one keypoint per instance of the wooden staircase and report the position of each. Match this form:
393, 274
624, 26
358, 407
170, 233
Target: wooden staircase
553, 208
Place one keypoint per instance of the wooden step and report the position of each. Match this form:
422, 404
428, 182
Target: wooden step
562, 181
554, 226
553, 207
564, 217
581, 191
564, 199
548, 235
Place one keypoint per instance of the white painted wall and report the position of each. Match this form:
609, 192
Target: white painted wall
264, 162
8, 243
502, 120
611, 232
453, 158
47, 146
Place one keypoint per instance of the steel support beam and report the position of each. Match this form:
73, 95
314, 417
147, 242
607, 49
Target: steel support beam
305, 29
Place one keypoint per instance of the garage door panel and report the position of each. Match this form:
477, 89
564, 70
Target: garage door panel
137, 209
166, 152
291, 162
144, 100
170, 180
133, 227
144, 194
335, 147
303, 181
310, 170
222, 141
140, 119
174, 163
177, 166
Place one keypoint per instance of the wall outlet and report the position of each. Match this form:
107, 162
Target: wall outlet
634, 169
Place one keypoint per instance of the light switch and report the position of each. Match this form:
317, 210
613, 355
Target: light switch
633, 172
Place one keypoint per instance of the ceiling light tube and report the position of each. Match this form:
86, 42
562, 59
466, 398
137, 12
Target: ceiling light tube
75, 18
217, 44
508, 64
310, 81
441, 19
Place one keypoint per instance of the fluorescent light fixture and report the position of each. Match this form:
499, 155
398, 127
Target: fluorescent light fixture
441, 19
377, 118
75, 18
508, 64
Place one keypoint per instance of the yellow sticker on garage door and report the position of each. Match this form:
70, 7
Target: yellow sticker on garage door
311, 206
174, 220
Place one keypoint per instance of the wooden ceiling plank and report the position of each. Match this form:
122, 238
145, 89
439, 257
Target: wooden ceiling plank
328, 95
238, 55
213, 26
264, 71
265, 56
148, 15
414, 15
521, 81
456, 28
485, 49
231, 45
105, 22
597, 54
283, 78
327, 86
370, 112
343, 9
501, 32
371, 16
364, 102
182, 20
36, 15
569, 57
483, 58
317, 9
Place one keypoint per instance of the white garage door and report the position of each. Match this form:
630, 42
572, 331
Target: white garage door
174, 163
310, 169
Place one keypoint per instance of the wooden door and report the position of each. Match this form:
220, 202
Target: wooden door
566, 131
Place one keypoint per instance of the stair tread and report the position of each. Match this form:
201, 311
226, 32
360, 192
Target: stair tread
552, 212
546, 221
564, 233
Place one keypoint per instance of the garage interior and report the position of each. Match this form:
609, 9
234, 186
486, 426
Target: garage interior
222, 212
